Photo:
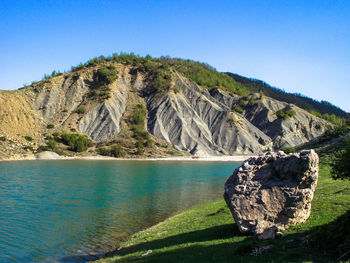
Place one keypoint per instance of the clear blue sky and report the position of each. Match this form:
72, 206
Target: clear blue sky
299, 46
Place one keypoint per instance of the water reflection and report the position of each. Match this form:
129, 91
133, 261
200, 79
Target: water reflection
52, 210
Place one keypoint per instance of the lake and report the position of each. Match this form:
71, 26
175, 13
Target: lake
75, 210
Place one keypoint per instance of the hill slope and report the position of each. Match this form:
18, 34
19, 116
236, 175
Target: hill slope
323, 108
130, 106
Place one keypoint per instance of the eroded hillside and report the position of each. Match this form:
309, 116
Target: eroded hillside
147, 108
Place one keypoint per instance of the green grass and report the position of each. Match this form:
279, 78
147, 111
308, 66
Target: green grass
207, 233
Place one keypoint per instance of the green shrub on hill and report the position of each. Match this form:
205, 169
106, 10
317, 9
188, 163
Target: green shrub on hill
285, 114
102, 78
50, 126
106, 75
138, 115
322, 109
114, 151
77, 142
205, 75
332, 118
28, 138
81, 110
136, 122
238, 109
140, 149
341, 163
288, 150
117, 151
51, 144
331, 134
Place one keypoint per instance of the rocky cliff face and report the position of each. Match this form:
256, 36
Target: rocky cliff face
189, 117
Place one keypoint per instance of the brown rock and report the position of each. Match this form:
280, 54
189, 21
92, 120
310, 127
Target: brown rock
275, 189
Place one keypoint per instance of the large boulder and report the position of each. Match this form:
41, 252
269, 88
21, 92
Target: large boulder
272, 190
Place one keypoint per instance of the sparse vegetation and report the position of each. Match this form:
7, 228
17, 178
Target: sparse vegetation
51, 145
53, 74
140, 149
138, 116
30, 148
106, 75
2, 138
237, 108
77, 142
341, 163
50, 126
332, 118
114, 151
205, 75
117, 151
103, 77
285, 114
322, 109
288, 150
137, 121
28, 138
81, 110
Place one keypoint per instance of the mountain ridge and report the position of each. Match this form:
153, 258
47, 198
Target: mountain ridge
131, 106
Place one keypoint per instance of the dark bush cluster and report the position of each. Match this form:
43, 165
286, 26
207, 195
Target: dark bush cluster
28, 138
115, 151
103, 77
334, 133
137, 121
106, 75
77, 142
138, 115
341, 163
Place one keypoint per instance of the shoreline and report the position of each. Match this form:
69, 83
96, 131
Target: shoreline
226, 158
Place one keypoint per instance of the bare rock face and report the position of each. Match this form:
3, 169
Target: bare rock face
275, 189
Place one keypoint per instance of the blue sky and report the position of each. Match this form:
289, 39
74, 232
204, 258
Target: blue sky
299, 46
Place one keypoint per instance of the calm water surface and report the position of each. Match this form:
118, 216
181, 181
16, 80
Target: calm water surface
71, 211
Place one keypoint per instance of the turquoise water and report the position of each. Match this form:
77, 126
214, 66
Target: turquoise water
72, 211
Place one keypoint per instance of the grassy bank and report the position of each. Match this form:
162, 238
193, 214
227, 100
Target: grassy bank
207, 233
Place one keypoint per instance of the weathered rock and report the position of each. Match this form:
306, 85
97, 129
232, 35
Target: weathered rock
269, 233
47, 155
275, 189
103, 121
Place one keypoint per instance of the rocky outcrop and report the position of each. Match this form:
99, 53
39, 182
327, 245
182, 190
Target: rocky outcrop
47, 155
272, 190
194, 121
63, 94
289, 132
103, 121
